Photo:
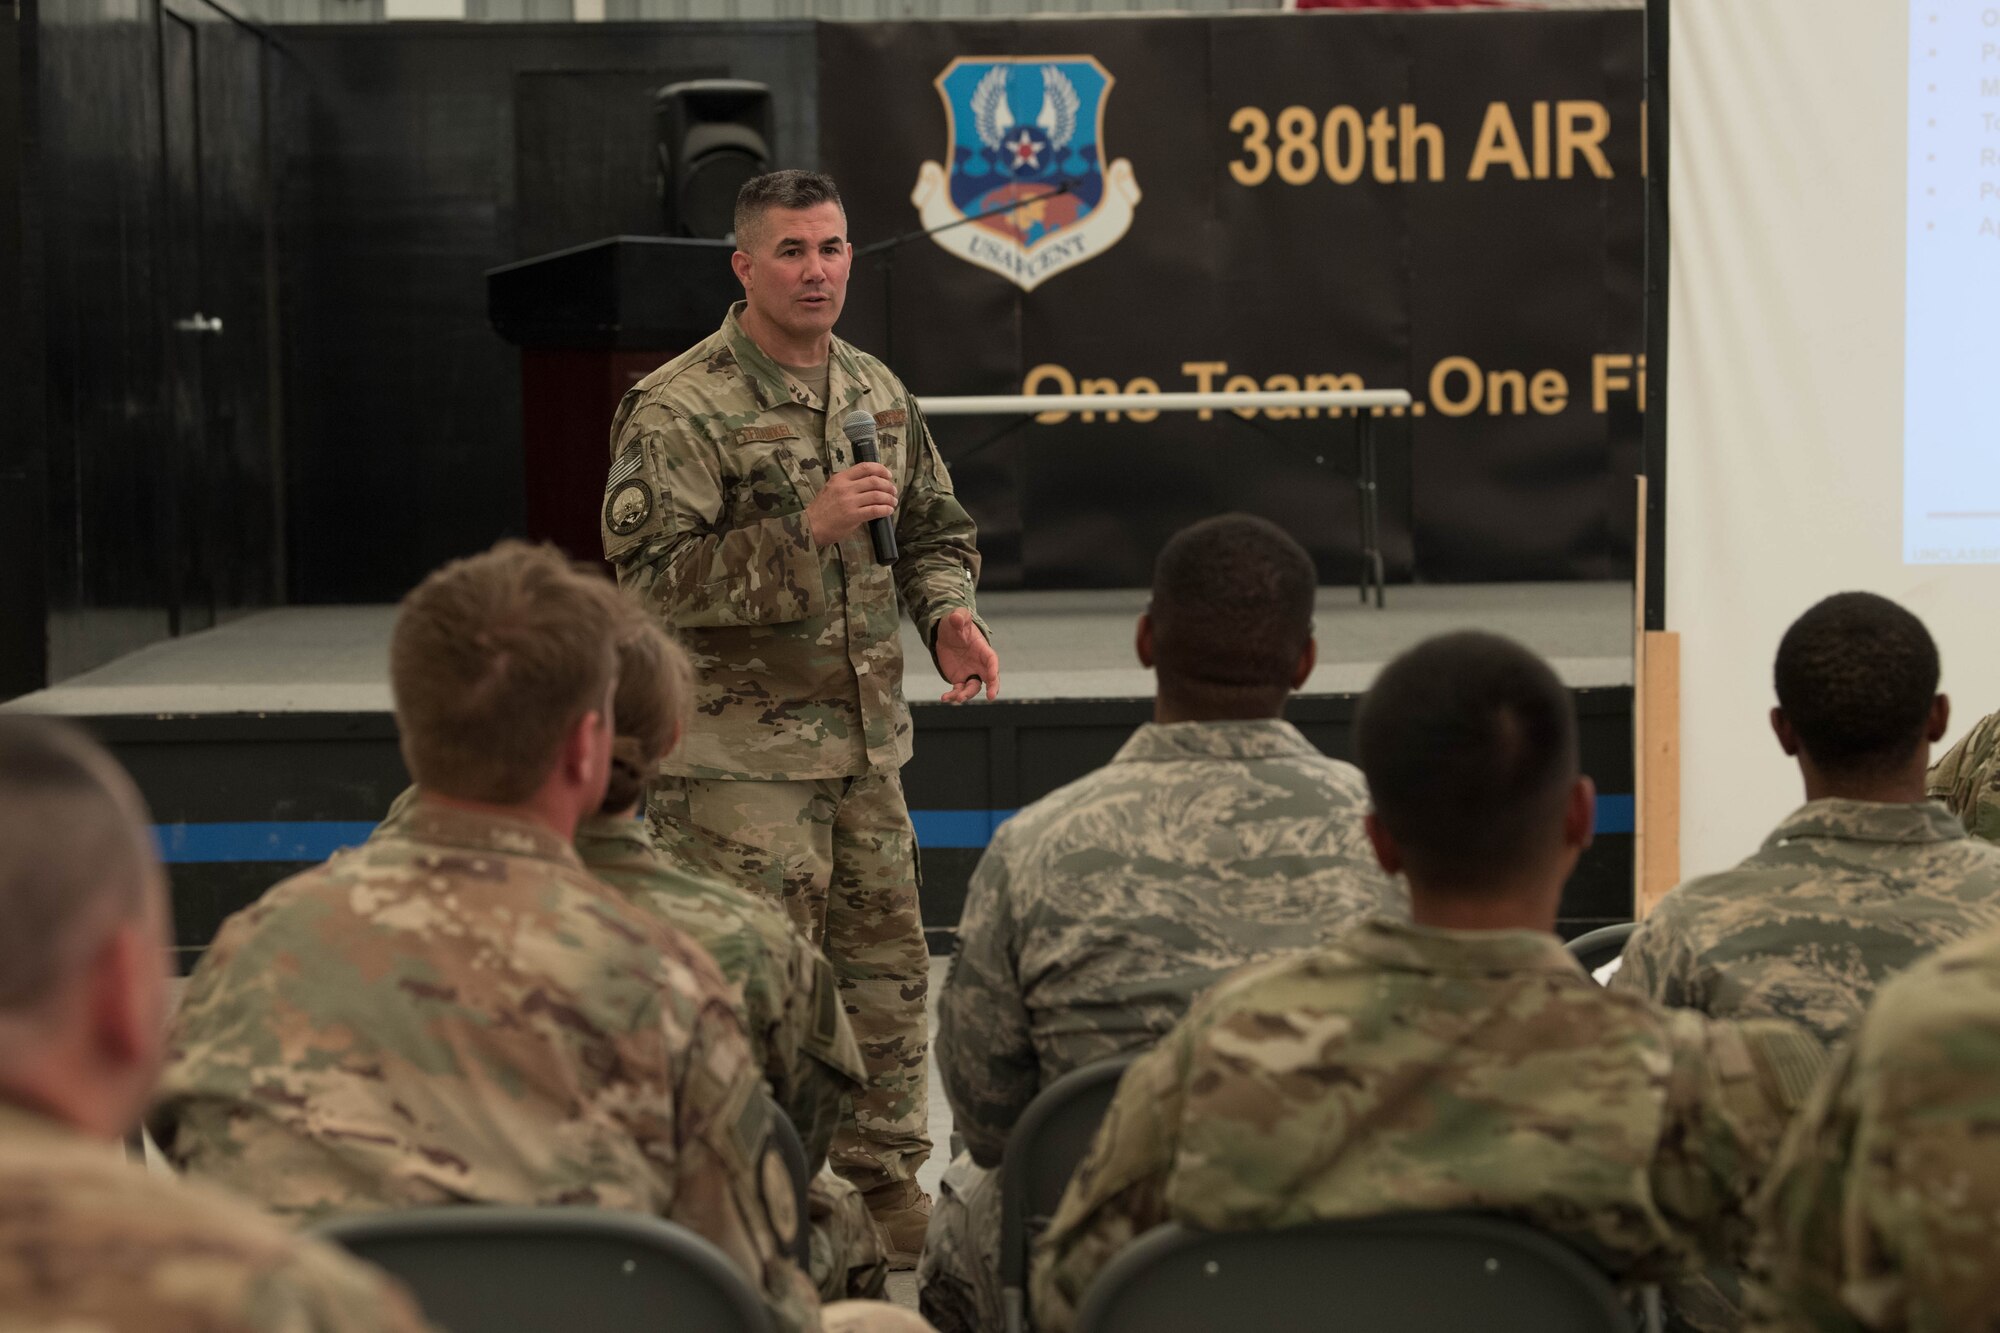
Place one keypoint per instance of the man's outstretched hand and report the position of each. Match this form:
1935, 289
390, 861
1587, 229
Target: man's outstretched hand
966, 658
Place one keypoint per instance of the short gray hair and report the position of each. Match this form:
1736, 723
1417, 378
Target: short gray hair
74, 848
790, 188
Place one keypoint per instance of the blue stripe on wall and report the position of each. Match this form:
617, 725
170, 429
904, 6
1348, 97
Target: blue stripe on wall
305, 840
1614, 814
957, 828
315, 840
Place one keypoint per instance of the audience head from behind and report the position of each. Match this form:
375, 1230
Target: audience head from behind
654, 699
1858, 703
1468, 743
1229, 629
84, 932
503, 666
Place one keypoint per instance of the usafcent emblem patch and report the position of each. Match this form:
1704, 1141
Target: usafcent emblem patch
1026, 131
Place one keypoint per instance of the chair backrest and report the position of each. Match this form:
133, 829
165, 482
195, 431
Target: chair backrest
786, 1134
1043, 1151
1595, 948
1409, 1273
485, 1269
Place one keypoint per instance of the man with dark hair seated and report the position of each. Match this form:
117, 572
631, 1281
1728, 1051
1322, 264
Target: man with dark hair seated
1879, 1213
1862, 880
88, 1241
1465, 1062
1218, 836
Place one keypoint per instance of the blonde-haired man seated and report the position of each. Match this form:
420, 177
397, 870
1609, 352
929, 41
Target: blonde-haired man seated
457, 1012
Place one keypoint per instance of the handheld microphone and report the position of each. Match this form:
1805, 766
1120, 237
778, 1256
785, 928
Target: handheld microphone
860, 428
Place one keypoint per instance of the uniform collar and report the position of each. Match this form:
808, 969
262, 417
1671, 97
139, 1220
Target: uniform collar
475, 831
1869, 821
602, 839
847, 380
1265, 738
1412, 948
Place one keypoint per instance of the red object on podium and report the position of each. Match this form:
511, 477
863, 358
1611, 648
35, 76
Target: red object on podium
591, 322
568, 397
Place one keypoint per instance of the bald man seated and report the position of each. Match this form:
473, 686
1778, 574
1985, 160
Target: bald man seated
88, 1241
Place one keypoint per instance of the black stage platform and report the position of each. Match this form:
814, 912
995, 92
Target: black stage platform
264, 744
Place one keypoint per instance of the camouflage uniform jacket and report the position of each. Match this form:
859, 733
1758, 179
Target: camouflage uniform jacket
791, 999
457, 1013
90, 1243
1880, 1212
715, 457
1411, 1069
1843, 895
1101, 911
1967, 779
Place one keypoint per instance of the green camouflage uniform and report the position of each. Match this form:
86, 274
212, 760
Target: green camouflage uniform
1101, 911
1883, 1207
1843, 895
787, 781
1967, 779
457, 1013
92, 1244
791, 1009
1412, 1069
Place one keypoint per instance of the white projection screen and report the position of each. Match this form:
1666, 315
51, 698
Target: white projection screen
1834, 360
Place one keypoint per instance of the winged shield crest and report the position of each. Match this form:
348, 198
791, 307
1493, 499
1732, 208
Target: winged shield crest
1026, 151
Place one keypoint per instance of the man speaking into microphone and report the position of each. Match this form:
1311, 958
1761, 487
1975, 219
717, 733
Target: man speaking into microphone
736, 506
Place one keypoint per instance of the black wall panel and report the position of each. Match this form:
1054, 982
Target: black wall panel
234, 482
584, 163
150, 167
104, 249
415, 158
23, 482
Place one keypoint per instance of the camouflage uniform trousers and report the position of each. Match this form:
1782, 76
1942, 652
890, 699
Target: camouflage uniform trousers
958, 1275
847, 1258
841, 856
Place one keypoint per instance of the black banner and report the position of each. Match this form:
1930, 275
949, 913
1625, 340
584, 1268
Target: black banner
1448, 203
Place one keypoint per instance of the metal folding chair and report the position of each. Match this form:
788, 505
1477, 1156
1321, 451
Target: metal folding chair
1408, 1273
487, 1269
1595, 948
1043, 1151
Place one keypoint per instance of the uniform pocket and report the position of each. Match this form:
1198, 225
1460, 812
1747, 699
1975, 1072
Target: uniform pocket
768, 476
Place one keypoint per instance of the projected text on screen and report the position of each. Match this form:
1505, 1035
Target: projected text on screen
1951, 431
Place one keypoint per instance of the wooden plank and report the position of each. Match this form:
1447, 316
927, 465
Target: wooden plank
1640, 902
1660, 863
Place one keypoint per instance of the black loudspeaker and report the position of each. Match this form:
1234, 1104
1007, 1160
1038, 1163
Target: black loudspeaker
714, 134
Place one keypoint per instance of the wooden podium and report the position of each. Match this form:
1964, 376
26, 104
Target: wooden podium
591, 321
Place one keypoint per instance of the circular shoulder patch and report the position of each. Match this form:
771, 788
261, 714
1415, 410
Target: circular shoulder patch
628, 507
781, 1198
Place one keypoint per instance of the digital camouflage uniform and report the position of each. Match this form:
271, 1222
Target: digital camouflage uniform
1842, 896
1967, 779
1101, 911
1883, 1209
93, 1244
1410, 1069
791, 1009
788, 778
457, 1013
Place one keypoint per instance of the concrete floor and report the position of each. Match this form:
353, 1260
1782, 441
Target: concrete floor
1053, 645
